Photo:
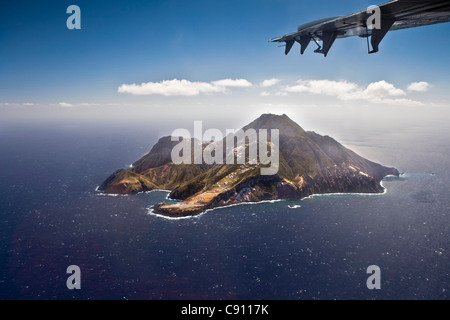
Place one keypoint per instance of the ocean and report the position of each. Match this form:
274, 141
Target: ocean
320, 247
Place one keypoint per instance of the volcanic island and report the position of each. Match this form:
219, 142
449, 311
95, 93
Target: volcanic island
308, 164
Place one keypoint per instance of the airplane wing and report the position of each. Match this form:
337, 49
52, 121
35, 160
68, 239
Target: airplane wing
392, 15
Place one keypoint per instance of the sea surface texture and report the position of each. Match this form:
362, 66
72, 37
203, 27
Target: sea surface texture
51, 217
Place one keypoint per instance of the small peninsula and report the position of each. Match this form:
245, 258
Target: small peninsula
308, 164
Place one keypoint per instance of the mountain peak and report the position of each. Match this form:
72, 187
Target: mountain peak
281, 122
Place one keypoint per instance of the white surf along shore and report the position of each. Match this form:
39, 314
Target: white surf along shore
289, 202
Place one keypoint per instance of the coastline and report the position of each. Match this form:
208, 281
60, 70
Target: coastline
150, 210
99, 193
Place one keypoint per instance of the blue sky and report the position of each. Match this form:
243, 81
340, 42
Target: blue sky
44, 66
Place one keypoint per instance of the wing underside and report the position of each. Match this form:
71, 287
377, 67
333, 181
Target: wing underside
394, 15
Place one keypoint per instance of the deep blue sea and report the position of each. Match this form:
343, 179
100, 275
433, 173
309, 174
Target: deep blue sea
51, 218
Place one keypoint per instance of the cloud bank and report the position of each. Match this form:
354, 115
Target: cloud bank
183, 87
376, 92
379, 92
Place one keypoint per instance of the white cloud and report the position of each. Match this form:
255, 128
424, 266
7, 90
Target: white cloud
241, 83
16, 105
171, 88
339, 89
65, 104
382, 89
183, 87
375, 92
270, 82
421, 86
